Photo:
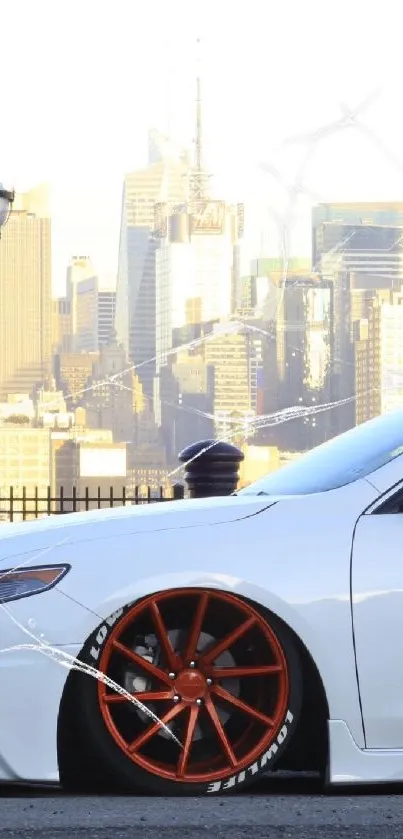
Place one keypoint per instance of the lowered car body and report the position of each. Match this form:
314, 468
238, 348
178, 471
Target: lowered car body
186, 647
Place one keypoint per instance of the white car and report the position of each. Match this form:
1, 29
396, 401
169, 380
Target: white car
188, 647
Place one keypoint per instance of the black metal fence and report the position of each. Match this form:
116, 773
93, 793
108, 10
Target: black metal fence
19, 505
211, 468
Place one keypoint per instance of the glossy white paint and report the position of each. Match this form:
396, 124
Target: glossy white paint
290, 555
21, 540
32, 681
377, 584
348, 764
388, 475
31, 691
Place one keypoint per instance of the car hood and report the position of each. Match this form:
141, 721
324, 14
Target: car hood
38, 536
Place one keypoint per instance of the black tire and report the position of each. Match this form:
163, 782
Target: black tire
93, 760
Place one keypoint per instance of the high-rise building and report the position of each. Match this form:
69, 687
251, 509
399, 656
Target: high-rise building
165, 180
86, 315
25, 294
79, 269
110, 400
95, 314
197, 284
378, 349
369, 248
359, 248
61, 324
73, 372
235, 360
298, 356
186, 401
106, 316
379, 213
195, 265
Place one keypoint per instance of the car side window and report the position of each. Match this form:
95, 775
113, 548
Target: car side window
392, 504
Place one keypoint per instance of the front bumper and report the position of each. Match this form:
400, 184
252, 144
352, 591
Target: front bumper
32, 682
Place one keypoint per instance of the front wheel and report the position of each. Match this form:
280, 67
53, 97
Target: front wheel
211, 694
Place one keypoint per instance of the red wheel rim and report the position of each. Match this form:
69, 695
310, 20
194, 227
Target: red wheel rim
188, 687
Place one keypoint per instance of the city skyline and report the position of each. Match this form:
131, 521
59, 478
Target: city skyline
276, 365
204, 316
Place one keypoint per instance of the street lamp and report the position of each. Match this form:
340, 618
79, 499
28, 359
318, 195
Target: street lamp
6, 201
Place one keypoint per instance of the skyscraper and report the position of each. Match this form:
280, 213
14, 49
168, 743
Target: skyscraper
195, 264
25, 294
236, 363
161, 181
106, 315
359, 247
95, 314
299, 356
378, 213
79, 269
196, 261
378, 350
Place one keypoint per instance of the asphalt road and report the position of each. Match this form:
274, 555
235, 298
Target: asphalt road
281, 810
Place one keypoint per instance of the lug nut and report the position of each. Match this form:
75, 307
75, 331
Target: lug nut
171, 675
192, 664
199, 702
176, 698
209, 682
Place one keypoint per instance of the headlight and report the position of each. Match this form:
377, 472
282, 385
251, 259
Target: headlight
24, 582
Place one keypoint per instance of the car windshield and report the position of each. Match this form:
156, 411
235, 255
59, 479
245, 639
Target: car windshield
342, 460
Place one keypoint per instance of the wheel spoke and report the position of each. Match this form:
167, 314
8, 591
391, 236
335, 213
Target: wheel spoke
142, 662
242, 706
154, 695
172, 660
233, 672
195, 631
222, 646
221, 735
185, 754
142, 696
143, 738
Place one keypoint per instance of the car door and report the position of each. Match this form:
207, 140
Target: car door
377, 607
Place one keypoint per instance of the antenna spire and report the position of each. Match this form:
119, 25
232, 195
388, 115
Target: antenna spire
199, 137
199, 178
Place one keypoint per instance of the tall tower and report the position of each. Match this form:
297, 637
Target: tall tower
195, 265
163, 181
199, 177
79, 269
25, 295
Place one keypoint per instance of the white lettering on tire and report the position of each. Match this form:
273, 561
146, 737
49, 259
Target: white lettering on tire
103, 632
229, 783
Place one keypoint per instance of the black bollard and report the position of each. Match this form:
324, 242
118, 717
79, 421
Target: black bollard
211, 468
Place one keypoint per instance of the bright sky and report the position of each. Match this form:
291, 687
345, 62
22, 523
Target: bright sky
83, 80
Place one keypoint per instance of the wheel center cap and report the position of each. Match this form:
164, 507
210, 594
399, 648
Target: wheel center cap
190, 685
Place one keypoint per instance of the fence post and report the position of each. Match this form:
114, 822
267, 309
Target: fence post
211, 468
178, 492
61, 501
